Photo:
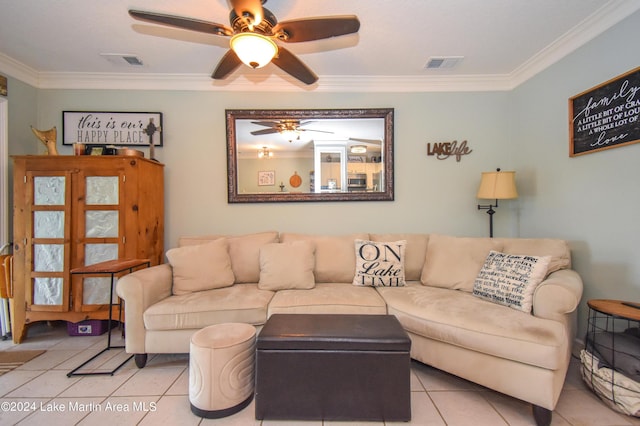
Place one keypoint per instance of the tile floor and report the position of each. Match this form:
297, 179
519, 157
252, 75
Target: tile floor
40, 393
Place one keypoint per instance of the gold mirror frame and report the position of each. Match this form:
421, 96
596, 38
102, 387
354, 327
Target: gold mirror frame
385, 194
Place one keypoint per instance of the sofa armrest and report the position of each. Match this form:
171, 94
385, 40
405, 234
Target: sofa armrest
558, 295
140, 290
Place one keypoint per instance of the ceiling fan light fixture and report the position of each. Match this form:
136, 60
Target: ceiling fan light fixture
290, 135
265, 153
358, 149
253, 49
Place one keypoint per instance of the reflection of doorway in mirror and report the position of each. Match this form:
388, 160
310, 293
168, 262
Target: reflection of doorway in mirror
330, 167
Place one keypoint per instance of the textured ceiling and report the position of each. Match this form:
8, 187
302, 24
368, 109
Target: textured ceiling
53, 43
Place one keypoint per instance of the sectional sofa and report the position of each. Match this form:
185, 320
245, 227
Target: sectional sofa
500, 312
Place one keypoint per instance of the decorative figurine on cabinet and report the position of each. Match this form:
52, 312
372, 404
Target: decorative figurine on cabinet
48, 138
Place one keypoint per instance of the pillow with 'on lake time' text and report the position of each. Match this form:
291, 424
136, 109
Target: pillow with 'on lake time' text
380, 264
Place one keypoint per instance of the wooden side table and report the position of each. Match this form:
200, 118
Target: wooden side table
616, 308
112, 268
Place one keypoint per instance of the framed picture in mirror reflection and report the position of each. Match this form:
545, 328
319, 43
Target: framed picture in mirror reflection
266, 178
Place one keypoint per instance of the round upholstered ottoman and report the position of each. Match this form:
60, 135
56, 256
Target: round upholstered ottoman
221, 369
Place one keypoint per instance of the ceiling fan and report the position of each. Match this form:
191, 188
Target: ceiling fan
289, 128
254, 30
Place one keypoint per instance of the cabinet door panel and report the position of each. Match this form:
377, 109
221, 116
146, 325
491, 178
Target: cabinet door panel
102, 223
49, 190
48, 291
48, 224
99, 232
102, 190
48, 257
48, 230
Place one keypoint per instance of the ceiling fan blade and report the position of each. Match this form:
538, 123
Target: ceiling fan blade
264, 132
265, 123
290, 64
184, 23
227, 65
316, 130
253, 7
316, 28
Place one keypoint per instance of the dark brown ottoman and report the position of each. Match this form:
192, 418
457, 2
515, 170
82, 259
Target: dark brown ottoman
333, 367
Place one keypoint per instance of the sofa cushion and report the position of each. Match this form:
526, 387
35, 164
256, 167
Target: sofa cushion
380, 263
328, 298
454, 262
244, 251
511, 279
415, 252
240, 303
459, 318
202, 267
557, 249
335, 257
287, 266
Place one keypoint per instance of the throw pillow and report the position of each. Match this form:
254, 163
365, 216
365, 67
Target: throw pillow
454, 262
511, 279
243, 250
557, 249
335, 259
201, 267
380, 264
416, 252
285, 266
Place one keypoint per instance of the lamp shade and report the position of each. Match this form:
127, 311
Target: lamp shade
255, 50
498, 185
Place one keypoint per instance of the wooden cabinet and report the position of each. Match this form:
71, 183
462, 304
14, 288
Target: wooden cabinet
71, 212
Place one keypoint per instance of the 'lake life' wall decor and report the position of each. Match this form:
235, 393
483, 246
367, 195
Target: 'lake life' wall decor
444, 150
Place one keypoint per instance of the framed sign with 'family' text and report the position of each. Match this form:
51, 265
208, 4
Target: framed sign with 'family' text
606, 116
112, 128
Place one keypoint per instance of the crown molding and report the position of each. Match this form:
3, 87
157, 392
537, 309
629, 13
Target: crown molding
18, 70
607, 16
203, 82
597, 23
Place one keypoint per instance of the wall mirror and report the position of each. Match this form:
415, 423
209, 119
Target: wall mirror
310, 155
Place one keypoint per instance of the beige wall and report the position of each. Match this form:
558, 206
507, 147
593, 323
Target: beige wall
431, 195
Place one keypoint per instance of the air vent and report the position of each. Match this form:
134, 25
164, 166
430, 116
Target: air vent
132, 60
438, 62
122, 59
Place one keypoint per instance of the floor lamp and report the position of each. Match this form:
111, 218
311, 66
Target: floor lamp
496, 186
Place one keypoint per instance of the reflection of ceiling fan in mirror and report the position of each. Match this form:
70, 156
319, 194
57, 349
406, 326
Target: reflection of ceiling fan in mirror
253, 32
290, 129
